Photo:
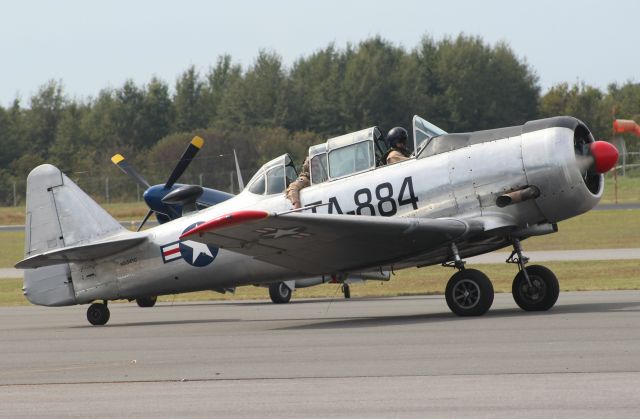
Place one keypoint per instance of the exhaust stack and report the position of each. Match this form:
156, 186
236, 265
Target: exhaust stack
521, 195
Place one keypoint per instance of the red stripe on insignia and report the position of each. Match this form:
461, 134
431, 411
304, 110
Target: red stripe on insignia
227, 220
171, 252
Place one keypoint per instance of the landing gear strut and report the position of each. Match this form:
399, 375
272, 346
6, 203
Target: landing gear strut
469, 292
98, 314
534, 288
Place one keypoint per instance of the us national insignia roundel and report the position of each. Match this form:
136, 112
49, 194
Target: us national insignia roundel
194, 253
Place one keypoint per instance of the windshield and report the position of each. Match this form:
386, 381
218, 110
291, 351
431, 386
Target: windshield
423, 131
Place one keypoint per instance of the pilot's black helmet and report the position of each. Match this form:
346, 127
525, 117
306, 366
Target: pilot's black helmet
396, 134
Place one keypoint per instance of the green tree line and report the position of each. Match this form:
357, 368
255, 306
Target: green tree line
460, 84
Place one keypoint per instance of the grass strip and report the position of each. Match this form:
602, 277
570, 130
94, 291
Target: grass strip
573, 276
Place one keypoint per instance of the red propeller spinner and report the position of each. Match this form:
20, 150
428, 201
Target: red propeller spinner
605, 156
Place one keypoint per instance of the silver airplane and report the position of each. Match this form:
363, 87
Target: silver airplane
459, 195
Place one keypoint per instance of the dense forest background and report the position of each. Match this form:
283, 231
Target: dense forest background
460, 84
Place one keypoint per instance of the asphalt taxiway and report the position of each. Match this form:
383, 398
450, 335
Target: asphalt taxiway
382, 357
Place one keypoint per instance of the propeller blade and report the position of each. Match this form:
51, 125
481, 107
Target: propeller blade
585, 163
240, 181
119, 161
144, 220
188, 155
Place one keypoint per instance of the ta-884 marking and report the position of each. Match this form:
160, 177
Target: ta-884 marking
387, 205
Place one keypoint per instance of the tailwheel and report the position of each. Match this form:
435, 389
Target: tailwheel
146, 301
98, 314
537, 293
469, 292
279, 293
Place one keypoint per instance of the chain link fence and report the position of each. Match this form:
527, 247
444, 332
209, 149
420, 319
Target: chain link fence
109, 189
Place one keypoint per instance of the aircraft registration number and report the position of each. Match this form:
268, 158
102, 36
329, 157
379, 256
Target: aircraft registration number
386, 203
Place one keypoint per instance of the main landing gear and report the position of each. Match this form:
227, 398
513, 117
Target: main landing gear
98, 314
346, 290
280, 293
469, 292
146, 301
535, 288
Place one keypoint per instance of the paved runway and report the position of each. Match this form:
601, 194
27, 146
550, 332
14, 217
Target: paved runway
386, 357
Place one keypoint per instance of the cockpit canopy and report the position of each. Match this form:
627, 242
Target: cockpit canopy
360, 151
338, 157
318, 164
353, 153
346, 155
273, 177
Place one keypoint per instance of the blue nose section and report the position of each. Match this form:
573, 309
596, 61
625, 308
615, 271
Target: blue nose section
165, 212
153, 197
211, 197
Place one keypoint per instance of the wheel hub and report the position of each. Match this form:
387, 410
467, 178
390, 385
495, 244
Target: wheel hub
534, 293
466, 294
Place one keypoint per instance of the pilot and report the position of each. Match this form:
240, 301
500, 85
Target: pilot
303, 180
397, 141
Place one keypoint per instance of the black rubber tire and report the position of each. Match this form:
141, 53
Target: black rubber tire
543, 297
346, 290
98, 314
469, 292
279, 293
146, 301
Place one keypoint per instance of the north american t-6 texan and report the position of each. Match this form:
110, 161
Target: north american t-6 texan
457, 196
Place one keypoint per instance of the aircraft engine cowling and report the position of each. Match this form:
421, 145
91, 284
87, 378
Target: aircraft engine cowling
563, 160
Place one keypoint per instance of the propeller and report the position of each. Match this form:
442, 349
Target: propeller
597, 157
192, 149
144, 220
120, 161
605, 155
186, 196
187, 156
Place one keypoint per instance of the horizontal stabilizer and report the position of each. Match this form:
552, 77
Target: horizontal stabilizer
81, 253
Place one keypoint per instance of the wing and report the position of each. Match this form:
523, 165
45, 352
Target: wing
319, 243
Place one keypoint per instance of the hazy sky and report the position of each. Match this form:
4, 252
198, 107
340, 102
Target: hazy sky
90, 45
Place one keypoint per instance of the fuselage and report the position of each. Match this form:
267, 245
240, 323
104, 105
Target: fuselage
463, 182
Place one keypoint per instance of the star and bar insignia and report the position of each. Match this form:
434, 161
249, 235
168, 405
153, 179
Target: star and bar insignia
276, 233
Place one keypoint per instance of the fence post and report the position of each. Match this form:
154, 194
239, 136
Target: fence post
200, 176
106, 188
15, 195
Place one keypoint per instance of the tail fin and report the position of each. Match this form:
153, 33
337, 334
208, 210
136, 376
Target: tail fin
59, 214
